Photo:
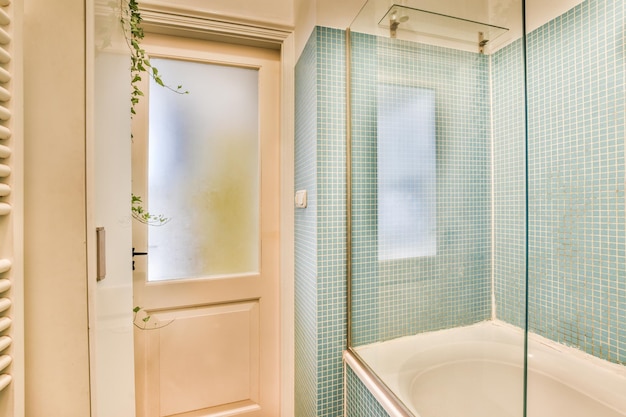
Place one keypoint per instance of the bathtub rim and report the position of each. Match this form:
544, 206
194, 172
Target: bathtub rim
538, 347
383, 394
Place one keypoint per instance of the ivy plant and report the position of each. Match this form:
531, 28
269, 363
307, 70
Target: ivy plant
130, 18
141, 320
140, 214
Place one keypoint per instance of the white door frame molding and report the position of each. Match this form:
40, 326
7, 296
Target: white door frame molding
173, 20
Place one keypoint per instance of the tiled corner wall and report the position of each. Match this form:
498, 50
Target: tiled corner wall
577, 205
453, 288
509, 183
306, 233
321, 227
577, 213
577, 225
359, 400
331, 217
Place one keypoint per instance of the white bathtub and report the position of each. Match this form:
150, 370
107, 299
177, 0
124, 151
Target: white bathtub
477, 371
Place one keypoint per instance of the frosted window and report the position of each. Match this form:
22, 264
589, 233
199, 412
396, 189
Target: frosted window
204, 172
406, 172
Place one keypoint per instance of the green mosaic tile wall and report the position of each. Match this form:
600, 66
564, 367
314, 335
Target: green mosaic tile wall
331, 217
577, 222
407, 296
577, 225
359, 401
306, 251
321, 227
577, 217
509, 183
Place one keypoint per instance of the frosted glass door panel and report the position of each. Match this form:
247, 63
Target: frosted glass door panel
203, 172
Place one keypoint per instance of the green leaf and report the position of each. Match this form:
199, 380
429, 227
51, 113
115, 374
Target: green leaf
130, 20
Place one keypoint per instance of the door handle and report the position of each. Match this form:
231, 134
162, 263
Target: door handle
101, 261
137, 254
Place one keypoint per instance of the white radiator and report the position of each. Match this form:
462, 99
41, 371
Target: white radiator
11, 271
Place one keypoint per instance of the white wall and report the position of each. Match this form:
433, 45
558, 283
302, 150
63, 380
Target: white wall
110, 184
505, 13
56, 350
340, 14
329, 13
305, 16
539, 12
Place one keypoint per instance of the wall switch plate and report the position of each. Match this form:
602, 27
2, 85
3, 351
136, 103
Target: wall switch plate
300, 199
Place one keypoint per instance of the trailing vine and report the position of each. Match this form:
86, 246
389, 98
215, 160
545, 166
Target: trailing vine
130, 19
141, 321
143, 216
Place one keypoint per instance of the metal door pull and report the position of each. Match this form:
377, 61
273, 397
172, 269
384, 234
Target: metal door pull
137, 254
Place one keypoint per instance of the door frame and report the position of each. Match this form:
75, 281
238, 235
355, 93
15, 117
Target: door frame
171, 20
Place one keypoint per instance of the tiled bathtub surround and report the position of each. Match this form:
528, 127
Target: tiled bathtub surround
577, 206
509, 183
577, 216
393, 298
306, 253
359, 401
576, 169
321, 227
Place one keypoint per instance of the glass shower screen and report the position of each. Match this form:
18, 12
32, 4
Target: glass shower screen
434, 220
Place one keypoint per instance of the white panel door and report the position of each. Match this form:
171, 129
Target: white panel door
209, 162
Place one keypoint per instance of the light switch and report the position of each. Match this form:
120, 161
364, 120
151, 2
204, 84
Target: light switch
300, 199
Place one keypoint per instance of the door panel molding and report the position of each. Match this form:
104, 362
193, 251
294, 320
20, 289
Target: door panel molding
223, 337
170, 20
166, 384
